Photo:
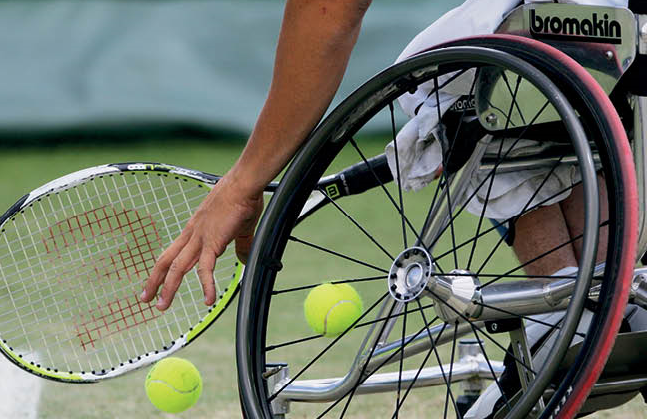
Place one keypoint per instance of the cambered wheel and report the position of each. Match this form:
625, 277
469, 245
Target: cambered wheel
386, 242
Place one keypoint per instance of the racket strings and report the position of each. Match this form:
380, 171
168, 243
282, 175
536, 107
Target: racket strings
225, 271
76, 264
55, 213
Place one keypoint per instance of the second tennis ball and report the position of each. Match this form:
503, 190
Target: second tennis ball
331, 308
173, 385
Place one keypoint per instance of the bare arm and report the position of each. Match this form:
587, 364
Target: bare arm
316, 39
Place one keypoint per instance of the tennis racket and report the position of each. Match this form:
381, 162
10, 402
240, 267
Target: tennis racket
75, 253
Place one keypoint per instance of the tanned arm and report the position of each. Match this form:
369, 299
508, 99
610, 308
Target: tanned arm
315, 43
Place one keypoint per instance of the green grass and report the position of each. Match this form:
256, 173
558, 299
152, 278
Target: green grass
25, 169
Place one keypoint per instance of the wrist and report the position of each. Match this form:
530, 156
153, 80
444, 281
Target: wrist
240, 180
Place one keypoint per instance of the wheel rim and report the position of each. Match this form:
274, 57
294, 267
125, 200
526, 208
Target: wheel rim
259, 295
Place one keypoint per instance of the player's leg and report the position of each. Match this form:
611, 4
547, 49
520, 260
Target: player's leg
542, 241
572, 205
548, 239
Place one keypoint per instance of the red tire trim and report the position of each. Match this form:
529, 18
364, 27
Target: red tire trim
612, 323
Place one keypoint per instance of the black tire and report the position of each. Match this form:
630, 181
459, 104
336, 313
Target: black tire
261, 288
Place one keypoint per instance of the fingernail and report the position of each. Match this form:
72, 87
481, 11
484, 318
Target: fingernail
143, 295
160, 303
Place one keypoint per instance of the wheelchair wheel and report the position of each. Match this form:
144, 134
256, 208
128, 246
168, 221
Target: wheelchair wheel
446, 303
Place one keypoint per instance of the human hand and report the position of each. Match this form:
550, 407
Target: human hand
225, 215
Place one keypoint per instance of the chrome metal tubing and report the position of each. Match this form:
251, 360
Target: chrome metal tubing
640, 160
440, 215
462, 370
333, 389
419, 343
529, 163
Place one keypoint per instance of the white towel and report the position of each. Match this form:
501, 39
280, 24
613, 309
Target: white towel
419, 152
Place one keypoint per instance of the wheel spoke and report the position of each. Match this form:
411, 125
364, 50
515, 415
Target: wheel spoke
332, 252
341, 281
528, 318
491, 173
438, 360
465, 319
543, 183
370, 356
442, 86
397, 171
404, 334
446, 179
326, 349
569, 242
451, 370
489, 364
357, 326
385, 362
491, 183
388, 194
357, 224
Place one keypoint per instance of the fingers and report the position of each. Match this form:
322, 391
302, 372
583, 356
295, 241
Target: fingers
205, 272
182, 264
161, 268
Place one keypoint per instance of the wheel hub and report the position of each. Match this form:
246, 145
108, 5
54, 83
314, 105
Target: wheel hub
410, 274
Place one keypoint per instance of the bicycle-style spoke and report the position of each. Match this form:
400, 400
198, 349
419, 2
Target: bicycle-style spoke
491, 183
397, 171
370, 356
357, 326
442, 86
358, 225
543, 255
465, 319
527, 318
404, 334
337, 282
448, 383
326, 349
492, 171
340, 255
489, 364
447, 156
498, 224
446, 179
516, 104
386, 192
523, 211
364, 377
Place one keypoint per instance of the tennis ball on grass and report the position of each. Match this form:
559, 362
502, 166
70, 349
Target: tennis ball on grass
331, 308
173, 385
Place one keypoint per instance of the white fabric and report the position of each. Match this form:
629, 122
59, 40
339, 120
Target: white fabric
420, 154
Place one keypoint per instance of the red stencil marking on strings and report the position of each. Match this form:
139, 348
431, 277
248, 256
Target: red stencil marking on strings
111, 318
108, 243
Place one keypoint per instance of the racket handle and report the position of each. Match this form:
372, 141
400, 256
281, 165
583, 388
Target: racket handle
359, 177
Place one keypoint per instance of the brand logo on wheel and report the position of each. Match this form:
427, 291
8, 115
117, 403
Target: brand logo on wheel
596, 29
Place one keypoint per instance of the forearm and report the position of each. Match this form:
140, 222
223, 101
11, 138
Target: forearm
315, 43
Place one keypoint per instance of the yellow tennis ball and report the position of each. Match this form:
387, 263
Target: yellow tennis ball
173, 385
331, 308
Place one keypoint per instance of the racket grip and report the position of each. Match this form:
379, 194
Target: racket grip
359, 177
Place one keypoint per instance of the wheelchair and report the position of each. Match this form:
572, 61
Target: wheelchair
450, 315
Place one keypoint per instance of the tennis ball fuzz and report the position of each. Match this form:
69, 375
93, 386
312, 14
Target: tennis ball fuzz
331, 308
173, 385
